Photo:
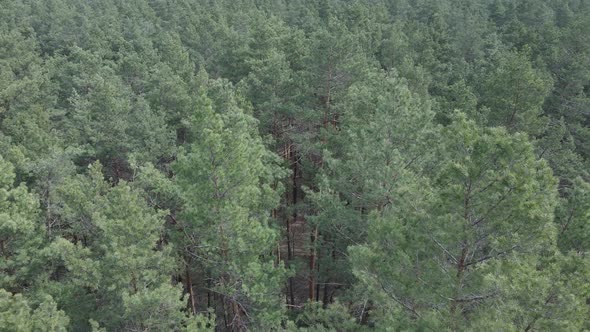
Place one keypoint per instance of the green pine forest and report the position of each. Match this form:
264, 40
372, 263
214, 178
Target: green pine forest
294, 165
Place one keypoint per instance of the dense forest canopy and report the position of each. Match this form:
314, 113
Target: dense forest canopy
297, 165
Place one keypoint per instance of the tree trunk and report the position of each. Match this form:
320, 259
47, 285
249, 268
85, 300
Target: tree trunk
312, 264
189, 285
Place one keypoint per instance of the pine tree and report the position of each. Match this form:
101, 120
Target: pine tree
514, 92
445, 254
111, 264
226, 177
17, 315
381, 144
21, 232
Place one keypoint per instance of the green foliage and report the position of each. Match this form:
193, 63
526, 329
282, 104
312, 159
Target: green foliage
17, 315
385, 130
573, 218
488, 207
333, 318
21, 231
112, 265
514, 92
226, 178
272, 165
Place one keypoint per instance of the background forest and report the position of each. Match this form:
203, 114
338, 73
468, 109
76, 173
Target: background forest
309, 165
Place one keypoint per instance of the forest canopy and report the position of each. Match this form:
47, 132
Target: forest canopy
294, 165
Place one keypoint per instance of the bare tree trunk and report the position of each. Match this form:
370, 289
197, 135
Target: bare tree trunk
312, 264
290, 197
189, 285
